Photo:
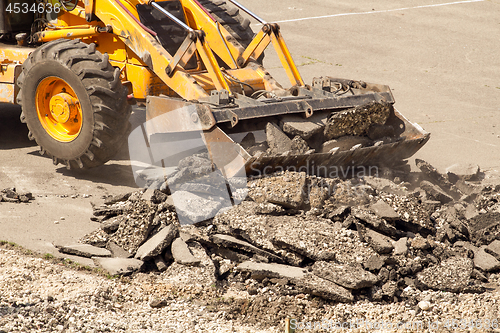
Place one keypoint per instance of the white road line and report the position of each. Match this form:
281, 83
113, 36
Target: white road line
379, 11
470, 139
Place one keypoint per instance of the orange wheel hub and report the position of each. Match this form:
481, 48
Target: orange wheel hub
58, 109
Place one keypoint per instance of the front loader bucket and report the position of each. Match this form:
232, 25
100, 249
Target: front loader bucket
176, 129
347, 163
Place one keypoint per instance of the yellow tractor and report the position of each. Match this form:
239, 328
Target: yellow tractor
76, 66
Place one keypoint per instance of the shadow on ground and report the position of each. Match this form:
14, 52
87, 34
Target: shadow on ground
13, 133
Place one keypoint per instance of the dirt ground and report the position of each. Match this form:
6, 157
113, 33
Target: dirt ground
440, 58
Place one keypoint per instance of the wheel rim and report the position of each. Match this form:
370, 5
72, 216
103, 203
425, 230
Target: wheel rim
58, 109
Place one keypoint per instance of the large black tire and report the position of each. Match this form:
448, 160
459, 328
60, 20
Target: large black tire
98, 92
230, 18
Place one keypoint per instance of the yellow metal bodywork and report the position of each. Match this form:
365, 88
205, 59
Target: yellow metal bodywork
143, 61
11, 59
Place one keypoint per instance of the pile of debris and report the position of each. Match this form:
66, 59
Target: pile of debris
360, 126
11, 195
340, 239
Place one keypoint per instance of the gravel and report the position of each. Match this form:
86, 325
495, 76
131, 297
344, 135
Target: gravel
44, 296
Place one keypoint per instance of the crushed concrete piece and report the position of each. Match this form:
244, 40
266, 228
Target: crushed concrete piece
204, 188
117, 198
203, 274
431, 205
186, 236
317, 195
317, 286
225, 266
440, 180
375, 263
377, 131
345, 143
158, 303
452, 274
135, 227
419, 243
347, 193
258, 148
380, 243
299, 145
310, 236
389, 289
484, 228
107, 211
154, 196
192, 208
190, 168
230, 255
156, 244
400, 247
118, 266
267, 208
84, 250
435, 192
470, 212
117, 251
482, 260
287, 190
494, 248
338, 213
148, 195
308, 282
190, 233
414, 217
348, 276
304, 127
95, 238
375, 222
240, 220
384, 185
384, 211
424, 305
111, 225
160, 263
467, 172
260, 271
485, 261
467, 188
232, 242
356, 121
181, 254
278, 141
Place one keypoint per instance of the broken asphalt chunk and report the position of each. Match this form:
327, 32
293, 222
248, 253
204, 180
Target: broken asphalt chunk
232, 242
452, 274
432, 174
182, 254
156, 244
435, 192
303, 280
84, 250
348, 276
118, 266
380, 243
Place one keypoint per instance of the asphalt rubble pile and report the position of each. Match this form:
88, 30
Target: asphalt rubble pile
342, 240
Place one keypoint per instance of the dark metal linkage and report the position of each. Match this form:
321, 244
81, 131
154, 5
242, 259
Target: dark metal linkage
286, 107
